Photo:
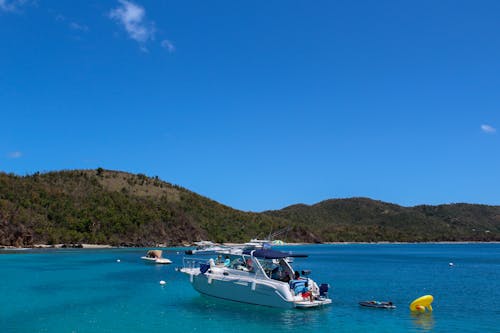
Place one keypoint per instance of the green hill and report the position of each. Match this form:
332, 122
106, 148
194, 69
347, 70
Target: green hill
118, 208
362, 219
110, 207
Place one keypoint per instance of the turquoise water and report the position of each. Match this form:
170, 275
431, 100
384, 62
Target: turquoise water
89, 291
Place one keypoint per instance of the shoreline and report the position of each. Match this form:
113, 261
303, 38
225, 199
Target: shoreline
60, 246
437, 242
107, 246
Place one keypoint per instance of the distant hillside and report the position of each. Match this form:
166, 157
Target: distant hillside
362, 219
118, 208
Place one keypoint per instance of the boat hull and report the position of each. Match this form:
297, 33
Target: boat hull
158, 261
246, 278
377, 305
241, 291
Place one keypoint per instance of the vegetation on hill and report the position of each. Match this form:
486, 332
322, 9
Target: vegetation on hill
118, 208
109, 207
362, 219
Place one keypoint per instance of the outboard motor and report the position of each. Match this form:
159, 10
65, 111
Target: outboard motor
323, 290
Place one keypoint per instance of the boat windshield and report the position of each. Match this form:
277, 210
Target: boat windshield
276, 269
233, 261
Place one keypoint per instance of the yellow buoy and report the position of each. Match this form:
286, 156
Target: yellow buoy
422, 303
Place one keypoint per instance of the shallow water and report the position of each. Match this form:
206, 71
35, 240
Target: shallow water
84, 290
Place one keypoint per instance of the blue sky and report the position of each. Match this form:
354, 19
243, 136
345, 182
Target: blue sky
260, 104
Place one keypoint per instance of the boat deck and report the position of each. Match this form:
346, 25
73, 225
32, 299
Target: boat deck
313, 304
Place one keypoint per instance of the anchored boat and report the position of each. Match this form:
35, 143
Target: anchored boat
378, 304
261, 277
206, 247
155, 257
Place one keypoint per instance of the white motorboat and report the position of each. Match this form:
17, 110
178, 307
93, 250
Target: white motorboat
155, 257
260, 277
256, 243
206, 247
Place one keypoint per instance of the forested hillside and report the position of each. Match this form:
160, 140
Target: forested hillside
362, 219
110, 207
118, 208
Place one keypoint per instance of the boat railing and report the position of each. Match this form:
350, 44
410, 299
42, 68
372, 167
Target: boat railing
193, 262
259, 270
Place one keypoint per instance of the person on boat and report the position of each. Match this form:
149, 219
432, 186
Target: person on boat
275, 273
280, 274
211, 262
249, 265
238, 264
286, 278
299, 285
227, 261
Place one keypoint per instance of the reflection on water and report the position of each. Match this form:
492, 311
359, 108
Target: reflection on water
225, 312
423, 321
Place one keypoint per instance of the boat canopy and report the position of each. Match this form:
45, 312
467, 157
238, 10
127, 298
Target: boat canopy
272, 254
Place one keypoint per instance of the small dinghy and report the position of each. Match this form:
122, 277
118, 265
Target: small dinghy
155, 257
378, 305
157, 260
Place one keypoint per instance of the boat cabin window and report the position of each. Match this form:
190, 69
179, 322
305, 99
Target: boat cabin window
238, 262
277, 269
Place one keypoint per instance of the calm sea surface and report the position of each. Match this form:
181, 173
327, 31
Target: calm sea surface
89, 291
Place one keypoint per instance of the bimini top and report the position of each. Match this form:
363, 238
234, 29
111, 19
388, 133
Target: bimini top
272, 254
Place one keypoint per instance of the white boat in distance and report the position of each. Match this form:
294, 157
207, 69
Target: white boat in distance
259, 277
157, 260
211, 248
206, 247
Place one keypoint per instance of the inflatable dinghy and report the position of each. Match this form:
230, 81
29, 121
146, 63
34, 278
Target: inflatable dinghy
378, 305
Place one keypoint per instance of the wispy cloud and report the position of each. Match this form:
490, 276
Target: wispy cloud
71, 23
78, 26
133, 18
14, 154
488, 129
168, 45
11, 5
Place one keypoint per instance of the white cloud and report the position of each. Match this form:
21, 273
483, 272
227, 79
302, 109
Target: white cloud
168, 45
132, 17
71, 24
15, 154
11, 5
488, 129
77, 26
59, 17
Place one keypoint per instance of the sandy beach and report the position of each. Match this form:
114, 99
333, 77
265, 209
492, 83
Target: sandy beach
106, 246
81, 246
